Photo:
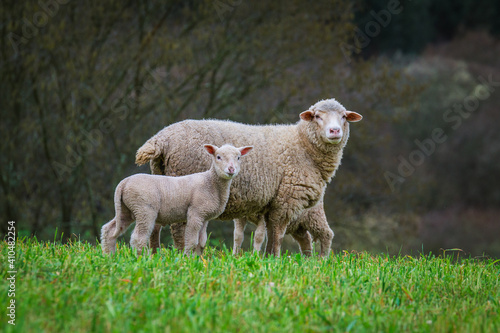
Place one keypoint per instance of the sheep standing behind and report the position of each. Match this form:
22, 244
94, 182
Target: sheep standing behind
312, 222
193, 199
286, 175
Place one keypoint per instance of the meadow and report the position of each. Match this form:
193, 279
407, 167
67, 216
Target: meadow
75, 288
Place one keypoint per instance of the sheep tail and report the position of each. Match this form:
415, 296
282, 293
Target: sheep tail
118, 209
149, 151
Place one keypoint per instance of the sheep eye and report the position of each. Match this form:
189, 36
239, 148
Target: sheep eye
317, 117
344, 117
218, 157
238, 158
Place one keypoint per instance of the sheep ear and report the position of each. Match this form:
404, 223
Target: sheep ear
211, 149
245, 150
307, 115
353, 116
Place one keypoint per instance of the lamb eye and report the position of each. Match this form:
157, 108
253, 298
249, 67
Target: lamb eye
238, 158
317, 117
218, 157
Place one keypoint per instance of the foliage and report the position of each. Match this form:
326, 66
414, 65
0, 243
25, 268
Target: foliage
425, 21
74, 287
461, 97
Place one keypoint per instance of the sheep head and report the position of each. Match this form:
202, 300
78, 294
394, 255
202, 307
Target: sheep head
226, 159
331, 119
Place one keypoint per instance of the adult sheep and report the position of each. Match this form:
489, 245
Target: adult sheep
286, 175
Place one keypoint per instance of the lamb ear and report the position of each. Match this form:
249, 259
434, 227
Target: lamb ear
307, 115
353, 116
210, 148
245, 150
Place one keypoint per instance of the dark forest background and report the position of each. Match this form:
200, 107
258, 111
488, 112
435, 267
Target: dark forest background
85, 83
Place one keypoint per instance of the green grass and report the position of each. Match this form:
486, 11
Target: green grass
75, 288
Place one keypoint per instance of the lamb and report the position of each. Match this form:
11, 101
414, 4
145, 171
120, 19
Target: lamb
195, 199
312, 222
286, 176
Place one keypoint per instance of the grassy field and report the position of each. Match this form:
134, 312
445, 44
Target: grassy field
75, 288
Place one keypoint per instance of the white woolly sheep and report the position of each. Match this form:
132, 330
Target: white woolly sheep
287, 174
193, 199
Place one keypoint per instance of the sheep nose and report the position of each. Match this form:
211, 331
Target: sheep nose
231, 169
335, 131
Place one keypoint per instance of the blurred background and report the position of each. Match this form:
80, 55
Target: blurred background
85, 83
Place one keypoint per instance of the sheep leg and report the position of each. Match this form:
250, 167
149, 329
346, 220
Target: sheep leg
154, 240
144, 225
178, 231
202, 241
239, 229
115, 228
325, 236
259, 235
326, 242
108, 242
270, 239
192, 232
315, 221
304, 239
278, 233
